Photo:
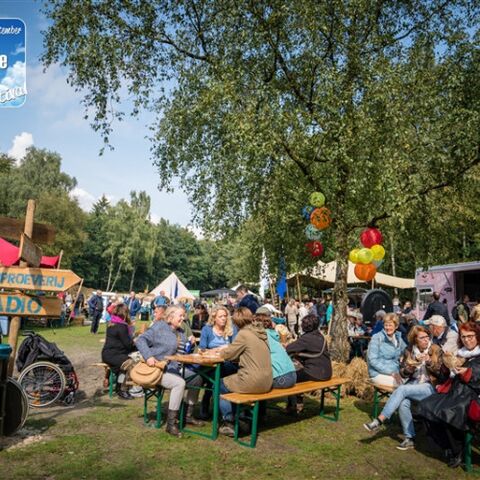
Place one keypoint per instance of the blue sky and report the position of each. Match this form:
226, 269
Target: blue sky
52, 118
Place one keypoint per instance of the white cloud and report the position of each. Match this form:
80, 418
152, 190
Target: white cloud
154, 218
14, 76
85, 199
19, 145
19, 48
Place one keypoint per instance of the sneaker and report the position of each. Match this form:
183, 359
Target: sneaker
407, 444
124, 395
136, 392
227, 430
373, 426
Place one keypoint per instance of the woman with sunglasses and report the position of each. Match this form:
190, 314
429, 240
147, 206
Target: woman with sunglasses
420, 366
447, 412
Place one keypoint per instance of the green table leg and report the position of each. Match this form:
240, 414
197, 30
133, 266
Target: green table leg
215, 382
376, 400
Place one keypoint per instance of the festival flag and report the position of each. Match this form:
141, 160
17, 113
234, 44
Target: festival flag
264, 278
282, 278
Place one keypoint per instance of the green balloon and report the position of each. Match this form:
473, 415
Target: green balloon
317, 199
365, 256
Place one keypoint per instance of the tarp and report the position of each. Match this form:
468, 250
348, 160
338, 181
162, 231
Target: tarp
219, 292
325, 272
10, 255
173, 288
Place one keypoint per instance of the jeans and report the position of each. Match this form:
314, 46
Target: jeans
96, 316
401, 400
226, 408
286, 380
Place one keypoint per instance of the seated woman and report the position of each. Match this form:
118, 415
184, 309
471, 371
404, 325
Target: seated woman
384, 352
420, 366
311, 351
118, 344
446, 412
216, 336
200, 317
283, 370
166, 337
250, 349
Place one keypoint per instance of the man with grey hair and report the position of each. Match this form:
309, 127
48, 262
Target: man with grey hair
442, 335
378, 327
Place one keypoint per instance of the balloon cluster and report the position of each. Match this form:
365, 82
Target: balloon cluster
319, 217
369, 258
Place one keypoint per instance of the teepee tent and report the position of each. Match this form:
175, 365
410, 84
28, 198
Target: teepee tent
174, 288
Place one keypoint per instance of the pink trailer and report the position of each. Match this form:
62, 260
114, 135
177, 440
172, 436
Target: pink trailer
451, 281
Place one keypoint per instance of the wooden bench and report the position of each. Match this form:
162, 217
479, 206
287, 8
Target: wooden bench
112, 378
249, 402
380, 392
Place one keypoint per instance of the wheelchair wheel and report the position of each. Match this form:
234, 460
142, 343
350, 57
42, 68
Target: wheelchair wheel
43, 382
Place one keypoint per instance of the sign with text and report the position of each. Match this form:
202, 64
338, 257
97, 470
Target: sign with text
17, 304
31, 253
13, 84
12, 228
43, 279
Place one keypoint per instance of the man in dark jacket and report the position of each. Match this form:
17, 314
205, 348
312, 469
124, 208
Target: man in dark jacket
246, 299
437, 308
95, 310
134, 305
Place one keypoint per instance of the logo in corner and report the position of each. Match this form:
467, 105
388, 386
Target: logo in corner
13, 83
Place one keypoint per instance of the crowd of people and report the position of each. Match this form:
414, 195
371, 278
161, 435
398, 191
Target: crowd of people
257, 355
432, 365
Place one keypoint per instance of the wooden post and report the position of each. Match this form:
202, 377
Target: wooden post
60, 260
74, 302
16, 321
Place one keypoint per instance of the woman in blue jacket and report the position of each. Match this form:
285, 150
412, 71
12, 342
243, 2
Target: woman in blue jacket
384, 353
216, 336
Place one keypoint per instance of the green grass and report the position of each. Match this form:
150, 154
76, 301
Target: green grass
106, 439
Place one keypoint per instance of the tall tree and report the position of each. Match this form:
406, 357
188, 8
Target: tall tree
269, 101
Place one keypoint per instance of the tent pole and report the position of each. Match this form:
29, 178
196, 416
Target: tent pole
299, 290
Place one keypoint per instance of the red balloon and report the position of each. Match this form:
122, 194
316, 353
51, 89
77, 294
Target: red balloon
315, 248
365, 272
370, 237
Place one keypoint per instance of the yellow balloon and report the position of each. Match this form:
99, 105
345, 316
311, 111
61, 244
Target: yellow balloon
365, 256
378, 252
353, 255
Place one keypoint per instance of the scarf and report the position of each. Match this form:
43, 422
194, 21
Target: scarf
465, 353
421, 373
116, 319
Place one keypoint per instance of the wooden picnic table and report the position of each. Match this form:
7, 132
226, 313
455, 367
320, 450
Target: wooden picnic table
209, 367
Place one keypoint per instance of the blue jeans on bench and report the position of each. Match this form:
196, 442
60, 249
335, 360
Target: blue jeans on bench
401, 399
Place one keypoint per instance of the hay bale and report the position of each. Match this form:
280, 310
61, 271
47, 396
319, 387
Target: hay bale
357, 371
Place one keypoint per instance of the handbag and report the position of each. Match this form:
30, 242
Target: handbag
147, 376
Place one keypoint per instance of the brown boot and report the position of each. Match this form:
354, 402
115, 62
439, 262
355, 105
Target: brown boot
172, 423
190, 419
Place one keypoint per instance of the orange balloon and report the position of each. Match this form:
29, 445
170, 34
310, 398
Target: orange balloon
365, 272
321, 218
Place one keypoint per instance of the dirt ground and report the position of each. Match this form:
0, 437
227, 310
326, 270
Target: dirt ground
90, 387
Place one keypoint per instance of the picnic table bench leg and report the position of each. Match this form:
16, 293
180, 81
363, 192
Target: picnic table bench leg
216, 402
148, 394
468, 451
253, 415
112, 380
336, 392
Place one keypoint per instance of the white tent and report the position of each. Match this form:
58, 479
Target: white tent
173, 288
326, 273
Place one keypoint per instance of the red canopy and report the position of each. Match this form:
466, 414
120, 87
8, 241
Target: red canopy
10, 255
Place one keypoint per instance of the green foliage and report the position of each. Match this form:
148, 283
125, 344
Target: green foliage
373, 103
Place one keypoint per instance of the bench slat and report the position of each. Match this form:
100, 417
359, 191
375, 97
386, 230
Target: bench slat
303, 387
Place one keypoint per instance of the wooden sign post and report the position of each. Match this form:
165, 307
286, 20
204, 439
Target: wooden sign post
29, 252
31, 279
